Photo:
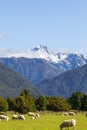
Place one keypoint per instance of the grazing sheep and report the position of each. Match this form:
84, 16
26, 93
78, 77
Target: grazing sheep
21, 117
4, 117
14, 117
71, 113
66, 114
68, 123
37, 115
31, 114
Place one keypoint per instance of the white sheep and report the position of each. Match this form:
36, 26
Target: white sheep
66, 114
68, 123
4, 117
37, 115
14, 117
21, 117
71, 113
31, 114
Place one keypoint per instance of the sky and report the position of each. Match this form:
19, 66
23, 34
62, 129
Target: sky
61, 25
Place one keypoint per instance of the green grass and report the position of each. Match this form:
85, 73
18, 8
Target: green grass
49, 121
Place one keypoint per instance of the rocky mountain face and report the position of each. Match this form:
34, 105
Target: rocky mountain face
34, 70
66, 84
40, 63
12, 84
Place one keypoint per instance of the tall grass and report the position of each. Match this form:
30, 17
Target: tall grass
49, 121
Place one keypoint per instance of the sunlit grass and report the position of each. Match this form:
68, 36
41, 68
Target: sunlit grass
49, 121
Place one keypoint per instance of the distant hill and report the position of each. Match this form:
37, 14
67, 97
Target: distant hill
67, 83
11, 83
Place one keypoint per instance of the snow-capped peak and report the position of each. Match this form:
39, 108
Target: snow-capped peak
39, 52
39, 47
42, 52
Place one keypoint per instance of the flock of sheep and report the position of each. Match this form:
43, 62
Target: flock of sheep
19, 116
64, 124
68, 123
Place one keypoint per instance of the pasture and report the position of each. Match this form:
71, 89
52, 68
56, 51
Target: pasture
47, 121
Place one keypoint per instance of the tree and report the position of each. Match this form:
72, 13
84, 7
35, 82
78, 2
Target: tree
84, 103
58, 104
24, 102
11, 104
41, 103
29, 100
76, 100
3, 105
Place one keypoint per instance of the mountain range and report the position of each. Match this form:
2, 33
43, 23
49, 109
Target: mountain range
39, 65
12, 84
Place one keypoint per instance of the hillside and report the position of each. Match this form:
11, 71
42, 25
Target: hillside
34, 70
11, 83
67, 83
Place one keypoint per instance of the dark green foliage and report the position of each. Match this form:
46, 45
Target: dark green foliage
3, 105
58, 104
20, 104
29, 100
84, 103
24, 102
76, 100
11, 103
41, 103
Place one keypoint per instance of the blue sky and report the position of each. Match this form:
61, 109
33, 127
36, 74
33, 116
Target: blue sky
57, 24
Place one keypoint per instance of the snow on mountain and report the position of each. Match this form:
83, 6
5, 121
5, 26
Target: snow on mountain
6, 52
40, 52
43, 53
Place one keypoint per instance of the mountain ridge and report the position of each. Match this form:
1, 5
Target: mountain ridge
40, 63
39, 52
11, 83
66, 84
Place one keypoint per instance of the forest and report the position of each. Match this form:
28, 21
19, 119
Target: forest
25, 103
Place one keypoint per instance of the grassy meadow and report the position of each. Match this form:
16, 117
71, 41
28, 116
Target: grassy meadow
47, 121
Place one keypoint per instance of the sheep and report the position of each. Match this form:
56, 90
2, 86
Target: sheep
66, 114
71, 113
68, 123
37, 115
31, 114
4, 117
21, 117
14, 117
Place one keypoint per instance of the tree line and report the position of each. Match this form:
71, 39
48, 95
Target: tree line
25, 103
